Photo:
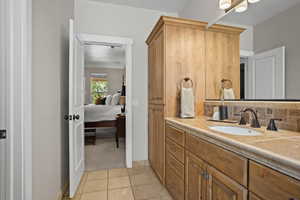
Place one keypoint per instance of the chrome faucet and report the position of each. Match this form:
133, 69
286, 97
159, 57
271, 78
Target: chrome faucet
254, 122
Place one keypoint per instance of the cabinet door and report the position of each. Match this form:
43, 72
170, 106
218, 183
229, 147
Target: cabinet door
156, 140
223, 62
195, 182
221, 187
156, 70
151, 135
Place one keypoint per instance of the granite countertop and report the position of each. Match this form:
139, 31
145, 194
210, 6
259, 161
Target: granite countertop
278, 150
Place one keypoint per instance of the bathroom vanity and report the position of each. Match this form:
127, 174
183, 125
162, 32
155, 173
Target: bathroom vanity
205, 164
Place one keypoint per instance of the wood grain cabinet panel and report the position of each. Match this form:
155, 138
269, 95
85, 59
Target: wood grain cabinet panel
156, 70
174, 184
156, 139
272, 185
176, 150
222, 62
221, 187
227, 162
253, 197
175, 134
195, 181
174, 164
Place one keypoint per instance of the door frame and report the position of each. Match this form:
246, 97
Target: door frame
18, 60
251, 70
127, 42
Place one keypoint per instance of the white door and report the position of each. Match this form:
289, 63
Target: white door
266, 75
76, 110
3, 103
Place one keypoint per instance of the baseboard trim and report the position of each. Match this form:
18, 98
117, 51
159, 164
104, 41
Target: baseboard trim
64, 193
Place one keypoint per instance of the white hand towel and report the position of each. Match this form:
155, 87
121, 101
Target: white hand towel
229, 93
187, 103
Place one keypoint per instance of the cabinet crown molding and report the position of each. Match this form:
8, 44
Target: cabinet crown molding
176, 21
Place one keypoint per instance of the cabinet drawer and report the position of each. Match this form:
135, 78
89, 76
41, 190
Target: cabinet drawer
174, 149
174, 184
175, 134
272, 185
227, 162
178, 167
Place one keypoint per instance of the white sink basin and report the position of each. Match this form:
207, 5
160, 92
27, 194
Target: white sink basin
232, 130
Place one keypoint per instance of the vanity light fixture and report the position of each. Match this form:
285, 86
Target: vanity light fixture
253, 1
242, 7
224, 4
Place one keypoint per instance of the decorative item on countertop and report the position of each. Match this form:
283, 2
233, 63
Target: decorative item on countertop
216, 114
226, 92
187, 99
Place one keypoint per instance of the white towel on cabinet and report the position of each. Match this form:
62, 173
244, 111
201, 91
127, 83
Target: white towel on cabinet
229, 93
187, 103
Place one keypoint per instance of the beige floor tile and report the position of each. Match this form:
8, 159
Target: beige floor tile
118, 182
120, 194
95, 185
113, 173
141, 170
144, 179
149, 191
102, 195
77, 197
102, 174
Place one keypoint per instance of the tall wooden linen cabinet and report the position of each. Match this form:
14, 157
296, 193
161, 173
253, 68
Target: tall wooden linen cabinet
179, 48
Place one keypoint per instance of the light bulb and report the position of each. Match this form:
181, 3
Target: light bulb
242, 7
253, 1
224, 4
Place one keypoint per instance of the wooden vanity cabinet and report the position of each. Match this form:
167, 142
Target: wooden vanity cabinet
220, 186
195, 178
177, 49
272, 185
156, 140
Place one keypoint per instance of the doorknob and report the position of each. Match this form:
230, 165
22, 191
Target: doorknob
76, 117
3, 134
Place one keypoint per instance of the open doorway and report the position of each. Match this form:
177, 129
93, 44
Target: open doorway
104, 110
89, 93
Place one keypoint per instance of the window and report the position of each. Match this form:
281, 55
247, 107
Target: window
99, 88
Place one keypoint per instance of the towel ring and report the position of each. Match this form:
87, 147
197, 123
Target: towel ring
187, 79
223, 81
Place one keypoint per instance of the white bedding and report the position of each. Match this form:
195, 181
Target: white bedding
95, 113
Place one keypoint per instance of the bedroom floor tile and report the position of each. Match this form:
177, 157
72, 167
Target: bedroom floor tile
94, 175
121, 172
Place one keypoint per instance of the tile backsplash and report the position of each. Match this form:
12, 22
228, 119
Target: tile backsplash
289, 112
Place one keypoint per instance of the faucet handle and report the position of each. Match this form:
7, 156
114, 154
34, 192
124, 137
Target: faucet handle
243, 119
272, 124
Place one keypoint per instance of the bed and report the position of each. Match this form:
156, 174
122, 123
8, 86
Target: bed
101, 115
98, 116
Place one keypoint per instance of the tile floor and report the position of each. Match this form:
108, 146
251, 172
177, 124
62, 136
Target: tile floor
138, 183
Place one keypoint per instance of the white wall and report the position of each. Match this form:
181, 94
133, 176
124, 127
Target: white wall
207, 10
203, 10
135, 23
50, 96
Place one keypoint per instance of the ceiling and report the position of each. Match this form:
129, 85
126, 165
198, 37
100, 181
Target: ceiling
162, 5
260, 12
101, 56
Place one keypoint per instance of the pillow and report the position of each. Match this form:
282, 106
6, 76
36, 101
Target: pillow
115, 99
108, 100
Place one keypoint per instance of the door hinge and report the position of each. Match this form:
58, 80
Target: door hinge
3, 134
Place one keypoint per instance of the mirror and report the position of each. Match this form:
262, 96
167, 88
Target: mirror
270, 49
